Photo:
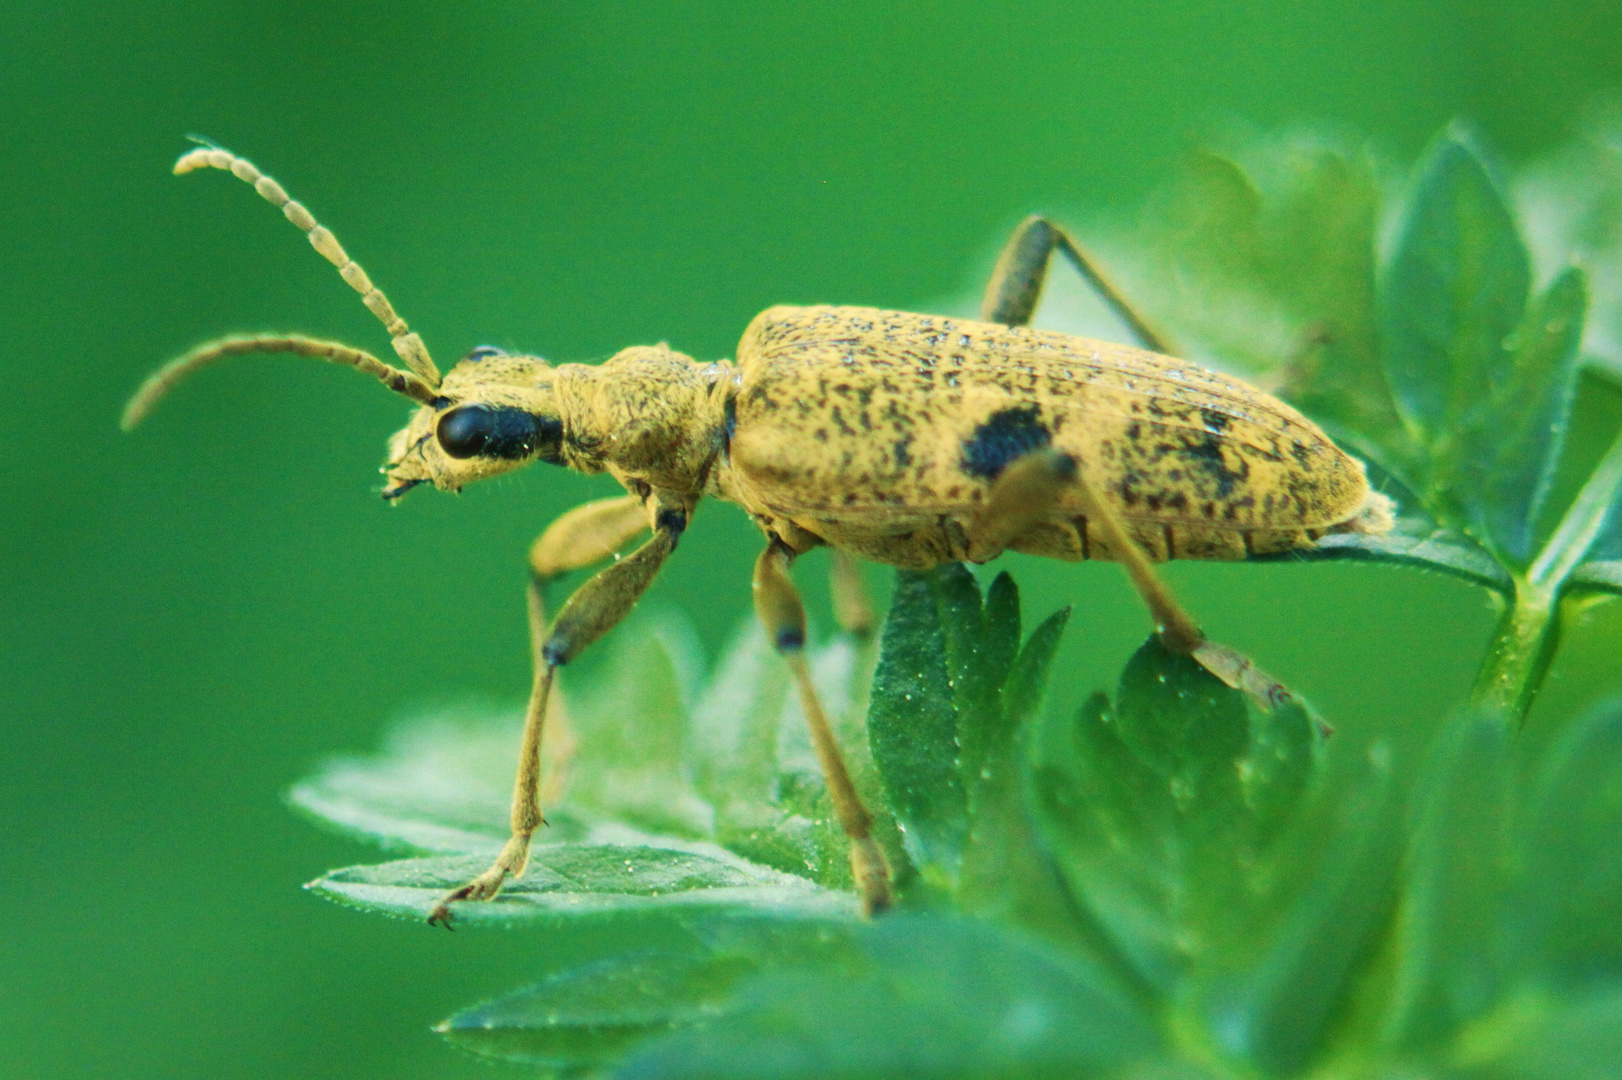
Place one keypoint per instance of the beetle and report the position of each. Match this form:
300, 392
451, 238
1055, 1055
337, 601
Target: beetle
901, 438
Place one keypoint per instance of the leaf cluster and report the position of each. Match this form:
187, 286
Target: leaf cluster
1442, 364
1171, 882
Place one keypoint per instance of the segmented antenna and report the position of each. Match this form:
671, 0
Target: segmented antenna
161, 381
406, 343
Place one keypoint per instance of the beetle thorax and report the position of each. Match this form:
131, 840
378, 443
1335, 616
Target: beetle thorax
647, 414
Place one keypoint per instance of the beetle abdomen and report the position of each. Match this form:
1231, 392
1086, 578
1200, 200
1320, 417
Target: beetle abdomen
864, 426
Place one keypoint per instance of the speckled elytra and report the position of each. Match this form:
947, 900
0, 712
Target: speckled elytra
907, 439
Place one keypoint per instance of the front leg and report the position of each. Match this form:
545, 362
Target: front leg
585, 535
590, 613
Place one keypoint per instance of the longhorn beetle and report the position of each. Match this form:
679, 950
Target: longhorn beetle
906, 439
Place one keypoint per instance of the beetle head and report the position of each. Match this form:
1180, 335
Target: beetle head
493, 413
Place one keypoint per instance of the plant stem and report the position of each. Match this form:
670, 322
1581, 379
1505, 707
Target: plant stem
1519, 655
1524, 643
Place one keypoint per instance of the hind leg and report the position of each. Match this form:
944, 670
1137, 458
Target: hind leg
1028, 491
1022, 269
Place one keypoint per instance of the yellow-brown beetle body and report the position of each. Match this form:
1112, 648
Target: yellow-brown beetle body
907, 439
881, 432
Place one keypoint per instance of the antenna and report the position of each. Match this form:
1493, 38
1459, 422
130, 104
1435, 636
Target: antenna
406, 343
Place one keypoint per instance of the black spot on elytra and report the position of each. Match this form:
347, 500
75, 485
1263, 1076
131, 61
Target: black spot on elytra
1215, 421
1207, 454
903, 456
1004, 438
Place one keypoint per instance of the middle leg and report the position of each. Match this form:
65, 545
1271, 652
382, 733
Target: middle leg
783, 616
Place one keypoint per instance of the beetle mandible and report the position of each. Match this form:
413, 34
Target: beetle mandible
906, 439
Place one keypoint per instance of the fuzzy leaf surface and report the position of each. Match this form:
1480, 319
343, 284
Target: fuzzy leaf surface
926, 996
570, 880
582, 1019
913, 716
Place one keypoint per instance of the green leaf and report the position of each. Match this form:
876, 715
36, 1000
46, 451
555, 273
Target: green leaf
1323, 229
1414, 542
928, 997
1160, 811
1274, 774
1186, 725
586, 1018
1271, 269
841, 670
1589, 525
442, 782
572, 880
1027, 682
1451, 947
631, 721
1547, 1039
1005, 873
738, 729
1509, 452
1452, 295
985, 729
1109, 822
1599, 576
953, 667
1568, 913
735, 721
913, 715
1275, 1000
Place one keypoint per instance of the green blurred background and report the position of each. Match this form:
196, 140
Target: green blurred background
195, 615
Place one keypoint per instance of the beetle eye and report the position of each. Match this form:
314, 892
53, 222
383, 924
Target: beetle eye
483, 352
498, 431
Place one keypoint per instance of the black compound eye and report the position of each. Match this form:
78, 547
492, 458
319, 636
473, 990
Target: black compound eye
498, 431
483, 352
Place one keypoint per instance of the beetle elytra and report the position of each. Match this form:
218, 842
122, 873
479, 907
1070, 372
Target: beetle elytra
906, 439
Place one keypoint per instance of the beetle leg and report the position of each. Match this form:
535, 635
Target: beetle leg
1178, 630
589, 614
783, 616
1028, 489
852, 608
587, 534
1024, 493
1022, 269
